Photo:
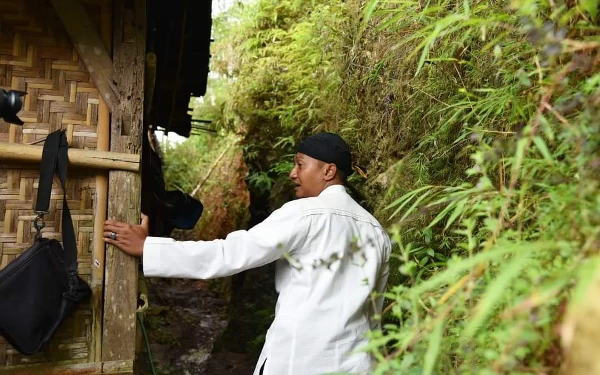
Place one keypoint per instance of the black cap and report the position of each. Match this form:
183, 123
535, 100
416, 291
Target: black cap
330, 148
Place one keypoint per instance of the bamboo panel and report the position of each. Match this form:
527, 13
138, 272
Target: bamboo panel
36, 56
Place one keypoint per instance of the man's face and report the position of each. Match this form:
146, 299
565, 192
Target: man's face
308, 176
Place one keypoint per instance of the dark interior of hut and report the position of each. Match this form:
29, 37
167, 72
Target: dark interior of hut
178, 42
179, 35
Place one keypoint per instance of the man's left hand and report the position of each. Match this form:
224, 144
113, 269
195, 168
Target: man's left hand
127, 237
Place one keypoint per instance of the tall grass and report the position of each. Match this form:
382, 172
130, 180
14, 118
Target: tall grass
520, 230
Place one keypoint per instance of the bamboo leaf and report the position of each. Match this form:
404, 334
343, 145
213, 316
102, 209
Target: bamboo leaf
457, 212
403, 200
416, 203
541, 146
433, 349
392, 20
367, 14
466, 264
495, 292
442, 214
590, 6
369, 9
423, 58
440, 26
586, 274
519, 155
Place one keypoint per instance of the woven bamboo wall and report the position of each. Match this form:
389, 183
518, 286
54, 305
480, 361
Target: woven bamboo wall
36, 56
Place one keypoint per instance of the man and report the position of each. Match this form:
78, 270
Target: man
331, 256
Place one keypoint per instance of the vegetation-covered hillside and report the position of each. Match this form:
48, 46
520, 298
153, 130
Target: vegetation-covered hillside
475, 129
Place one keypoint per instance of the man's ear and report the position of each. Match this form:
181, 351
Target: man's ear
330, 172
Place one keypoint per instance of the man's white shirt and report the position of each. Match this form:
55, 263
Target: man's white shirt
331, 256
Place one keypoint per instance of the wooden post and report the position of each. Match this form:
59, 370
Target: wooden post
121, 276
100, 214
89, 45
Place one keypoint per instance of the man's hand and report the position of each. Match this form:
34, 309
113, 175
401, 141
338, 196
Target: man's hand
127, 237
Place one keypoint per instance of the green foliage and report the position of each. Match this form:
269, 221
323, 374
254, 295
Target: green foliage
260, 182
211, 107
186, 163
519, 228
280, 55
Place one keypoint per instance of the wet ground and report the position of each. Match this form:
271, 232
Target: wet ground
184, 322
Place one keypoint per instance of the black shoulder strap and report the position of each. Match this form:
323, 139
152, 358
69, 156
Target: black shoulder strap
55, 160
48, 166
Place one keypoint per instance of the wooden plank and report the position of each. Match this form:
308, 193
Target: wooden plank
101, 207
117, 367
77, 157
90, 47
121, 277
71, 368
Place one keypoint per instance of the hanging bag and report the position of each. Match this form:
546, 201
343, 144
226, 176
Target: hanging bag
41, 288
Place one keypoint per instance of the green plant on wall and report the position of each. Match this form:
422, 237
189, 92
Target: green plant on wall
279, 55
524, 223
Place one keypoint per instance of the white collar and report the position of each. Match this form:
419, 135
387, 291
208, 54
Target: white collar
337, 188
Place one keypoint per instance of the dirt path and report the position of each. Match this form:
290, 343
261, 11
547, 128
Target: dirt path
184, 321
197, 331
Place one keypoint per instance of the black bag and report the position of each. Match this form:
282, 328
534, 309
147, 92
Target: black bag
41, 288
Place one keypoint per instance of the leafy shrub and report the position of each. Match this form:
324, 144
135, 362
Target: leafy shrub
523, 224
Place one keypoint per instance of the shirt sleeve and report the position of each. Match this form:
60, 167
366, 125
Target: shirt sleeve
284, 231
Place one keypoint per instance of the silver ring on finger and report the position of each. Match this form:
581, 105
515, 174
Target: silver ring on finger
112, 235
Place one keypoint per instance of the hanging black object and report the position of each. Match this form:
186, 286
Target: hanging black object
184, 210
10, 104
41, 288
166, 209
